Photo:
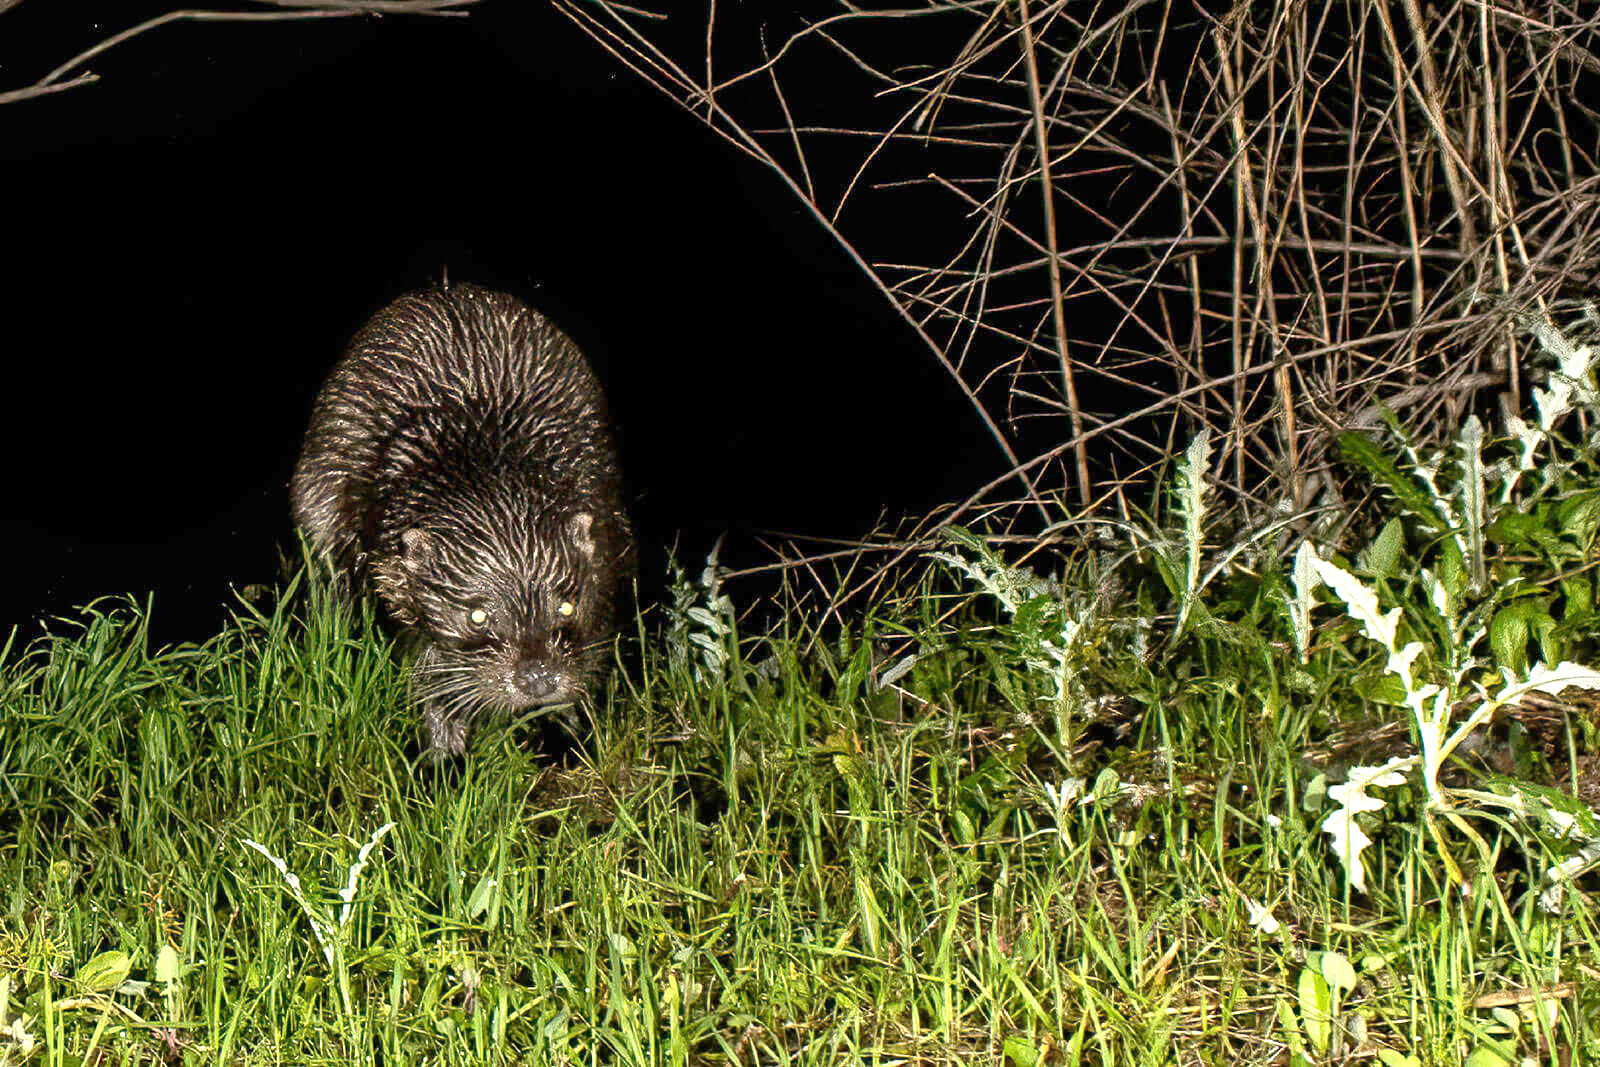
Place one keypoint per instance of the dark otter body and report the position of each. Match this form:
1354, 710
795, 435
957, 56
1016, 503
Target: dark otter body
458, 459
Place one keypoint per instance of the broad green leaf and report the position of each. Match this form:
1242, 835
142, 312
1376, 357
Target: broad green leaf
482, 894
1577, 597
1508, 638
1452, 570
1019, 1051
1338, 972
1579, 517
106, 971
1291, 1028
1390, 1058
1316, 1008
1382, 689
1515, 530
1489, 1055
167, 965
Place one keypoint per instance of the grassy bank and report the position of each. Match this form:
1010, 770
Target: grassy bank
1106, 807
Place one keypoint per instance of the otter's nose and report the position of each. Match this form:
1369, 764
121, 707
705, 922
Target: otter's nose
537, 682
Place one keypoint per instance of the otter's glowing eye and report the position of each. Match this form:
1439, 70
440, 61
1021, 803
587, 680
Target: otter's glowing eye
566, 608
477, 616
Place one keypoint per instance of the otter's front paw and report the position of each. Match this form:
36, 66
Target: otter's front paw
447, 735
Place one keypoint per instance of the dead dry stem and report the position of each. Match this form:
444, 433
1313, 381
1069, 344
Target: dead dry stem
1114, 223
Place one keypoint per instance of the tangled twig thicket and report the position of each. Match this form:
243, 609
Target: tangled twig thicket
1122, 222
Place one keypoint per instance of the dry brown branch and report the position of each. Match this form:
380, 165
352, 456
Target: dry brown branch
1265, 220
627, 43
289, 10
1041, 132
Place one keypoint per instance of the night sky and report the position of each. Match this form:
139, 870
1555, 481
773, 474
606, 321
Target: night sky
189, 243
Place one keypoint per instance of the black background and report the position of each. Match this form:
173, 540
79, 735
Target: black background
189, 243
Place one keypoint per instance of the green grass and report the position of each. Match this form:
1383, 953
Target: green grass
1038, 845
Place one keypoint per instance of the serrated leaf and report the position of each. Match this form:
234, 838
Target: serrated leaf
1553, 680
1349, 840
353, 876
1552, 811
1384, 552
1471, 489
1192, 488
1411, 493
1191, 491
705, 618
1361, 603
1305, 581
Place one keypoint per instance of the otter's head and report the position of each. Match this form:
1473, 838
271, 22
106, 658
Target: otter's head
514, 610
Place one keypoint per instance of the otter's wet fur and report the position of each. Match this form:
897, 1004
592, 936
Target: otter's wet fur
459, 463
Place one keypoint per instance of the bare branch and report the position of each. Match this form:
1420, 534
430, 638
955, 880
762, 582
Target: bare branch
288, 11
1057, 304
1264, 218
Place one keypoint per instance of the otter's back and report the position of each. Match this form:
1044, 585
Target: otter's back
483, 355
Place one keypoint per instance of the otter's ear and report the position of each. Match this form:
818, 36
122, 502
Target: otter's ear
580, 527
417, 547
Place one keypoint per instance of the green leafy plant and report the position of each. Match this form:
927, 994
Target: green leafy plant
1435, 684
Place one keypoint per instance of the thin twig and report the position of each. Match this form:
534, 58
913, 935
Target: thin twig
1047, 194
303, 9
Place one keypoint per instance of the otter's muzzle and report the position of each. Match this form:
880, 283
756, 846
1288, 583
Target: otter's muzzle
537, 683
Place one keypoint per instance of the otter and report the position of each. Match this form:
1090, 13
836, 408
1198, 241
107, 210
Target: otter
459, 464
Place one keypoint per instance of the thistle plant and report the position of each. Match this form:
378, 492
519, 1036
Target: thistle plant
1480, 665
326, 924
701, 636
1047, 626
